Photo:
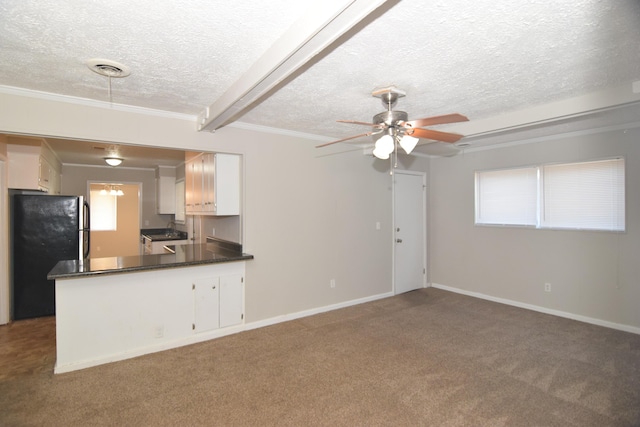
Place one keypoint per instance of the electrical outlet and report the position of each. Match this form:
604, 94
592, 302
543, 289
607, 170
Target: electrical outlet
332, 283
159, 331
547, 287
213, 231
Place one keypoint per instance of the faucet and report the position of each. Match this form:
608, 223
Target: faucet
170, 224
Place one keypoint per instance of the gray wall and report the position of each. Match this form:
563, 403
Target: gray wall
75, 177
309, 214
593, 274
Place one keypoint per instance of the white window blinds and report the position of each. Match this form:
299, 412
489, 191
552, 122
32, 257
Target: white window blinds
589, 195
507, 197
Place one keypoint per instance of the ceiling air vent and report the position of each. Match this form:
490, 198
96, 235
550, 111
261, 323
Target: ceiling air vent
108, 68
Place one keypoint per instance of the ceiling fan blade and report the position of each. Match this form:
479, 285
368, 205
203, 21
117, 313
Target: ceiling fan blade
354, 122
345, 139
434, 134
437, 120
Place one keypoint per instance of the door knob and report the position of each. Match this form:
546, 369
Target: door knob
399, 240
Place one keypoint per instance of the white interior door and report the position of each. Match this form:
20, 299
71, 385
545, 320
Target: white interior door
409, 213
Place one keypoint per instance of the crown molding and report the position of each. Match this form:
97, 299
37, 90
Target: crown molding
48, 96
556, 136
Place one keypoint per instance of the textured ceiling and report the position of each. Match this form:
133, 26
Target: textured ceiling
482, 58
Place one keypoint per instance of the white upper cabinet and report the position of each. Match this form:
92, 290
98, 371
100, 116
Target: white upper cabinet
213, 184
166, 190
180, 202
33, 166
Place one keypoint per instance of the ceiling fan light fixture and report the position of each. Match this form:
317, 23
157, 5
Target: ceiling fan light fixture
385, 144
113, 161
408, 143
380, 154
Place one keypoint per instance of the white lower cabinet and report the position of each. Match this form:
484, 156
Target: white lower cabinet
103, 318
206, 297
231, 298
218, 302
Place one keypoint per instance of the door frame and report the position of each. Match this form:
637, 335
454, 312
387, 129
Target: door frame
424, 228
5, 292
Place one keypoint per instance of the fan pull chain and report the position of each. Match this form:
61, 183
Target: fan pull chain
395, 151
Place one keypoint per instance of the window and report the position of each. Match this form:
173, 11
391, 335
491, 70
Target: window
104, 208
507, 197
587, 195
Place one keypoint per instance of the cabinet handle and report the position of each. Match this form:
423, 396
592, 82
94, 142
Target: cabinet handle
193, 326
213, 287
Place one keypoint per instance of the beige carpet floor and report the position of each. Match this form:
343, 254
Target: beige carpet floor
428, 357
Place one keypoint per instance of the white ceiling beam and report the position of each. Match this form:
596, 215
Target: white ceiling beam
307, 37
590, 103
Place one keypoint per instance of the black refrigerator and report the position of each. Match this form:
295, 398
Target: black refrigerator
44, 229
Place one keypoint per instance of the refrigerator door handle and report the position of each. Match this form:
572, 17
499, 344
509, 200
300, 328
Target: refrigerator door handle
87, 227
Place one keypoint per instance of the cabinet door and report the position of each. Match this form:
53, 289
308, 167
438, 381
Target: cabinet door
208, 184
193, 185
44, 173
227, 184
180, 201
231, 300
165, 189
206, 295
188, 186
197, 184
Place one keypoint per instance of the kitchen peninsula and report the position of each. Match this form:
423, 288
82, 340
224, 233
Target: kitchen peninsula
110, 309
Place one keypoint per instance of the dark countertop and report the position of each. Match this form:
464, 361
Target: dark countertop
163, 234
184, 256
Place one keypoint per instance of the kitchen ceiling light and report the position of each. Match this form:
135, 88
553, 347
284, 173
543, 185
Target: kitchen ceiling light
113, 161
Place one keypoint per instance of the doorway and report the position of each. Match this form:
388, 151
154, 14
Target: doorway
409, 231
115, 219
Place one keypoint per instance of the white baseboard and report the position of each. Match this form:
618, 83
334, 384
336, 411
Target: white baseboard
166, 345
206, 336
311, 312
585, 319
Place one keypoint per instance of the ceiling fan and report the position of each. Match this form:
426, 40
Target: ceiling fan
396, 129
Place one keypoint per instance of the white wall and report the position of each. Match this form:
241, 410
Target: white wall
595, 276
309, 214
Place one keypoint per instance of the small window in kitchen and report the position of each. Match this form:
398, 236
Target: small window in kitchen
104, 207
